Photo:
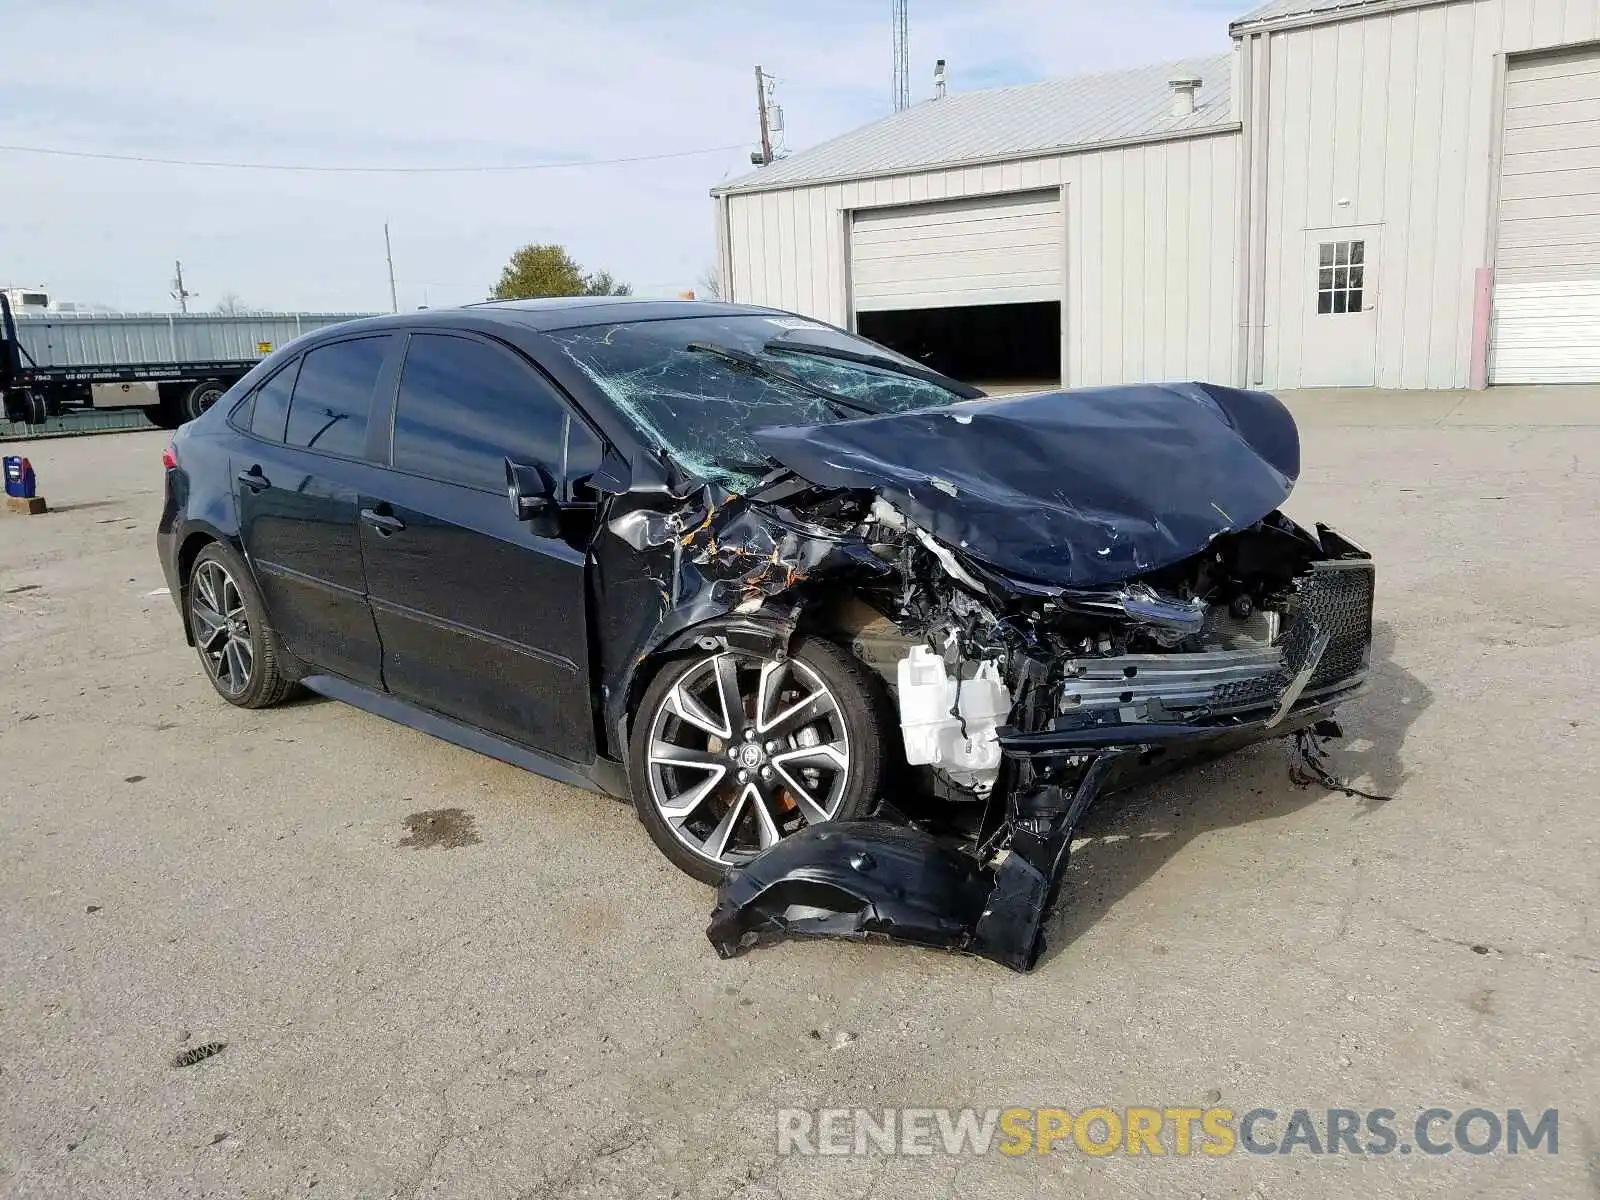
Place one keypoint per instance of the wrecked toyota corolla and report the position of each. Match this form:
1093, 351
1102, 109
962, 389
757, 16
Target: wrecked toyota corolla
861, 643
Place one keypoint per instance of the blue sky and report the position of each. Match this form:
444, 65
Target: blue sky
425, 82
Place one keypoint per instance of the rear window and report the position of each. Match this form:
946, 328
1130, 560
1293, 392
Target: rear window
269, 406
333, 397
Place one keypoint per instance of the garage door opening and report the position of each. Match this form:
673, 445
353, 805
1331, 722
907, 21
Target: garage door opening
993, 346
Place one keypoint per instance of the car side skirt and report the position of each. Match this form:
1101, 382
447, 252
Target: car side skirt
602, 775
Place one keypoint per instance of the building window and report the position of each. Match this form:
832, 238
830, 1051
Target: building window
1341, 273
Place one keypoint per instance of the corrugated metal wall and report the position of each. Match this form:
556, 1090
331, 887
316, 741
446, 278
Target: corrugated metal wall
1395, 114
1151, 232
146, 339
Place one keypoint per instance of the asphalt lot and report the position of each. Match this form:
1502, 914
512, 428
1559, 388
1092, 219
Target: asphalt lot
537, 1013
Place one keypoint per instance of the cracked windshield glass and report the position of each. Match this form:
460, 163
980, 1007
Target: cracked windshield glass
697, 387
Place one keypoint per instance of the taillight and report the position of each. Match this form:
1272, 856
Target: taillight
169, 459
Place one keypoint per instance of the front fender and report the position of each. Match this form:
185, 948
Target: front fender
768, 632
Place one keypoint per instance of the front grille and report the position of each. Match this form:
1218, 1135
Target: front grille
1243, 693
1335, 597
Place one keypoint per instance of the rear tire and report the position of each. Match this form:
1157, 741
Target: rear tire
239, 650
803, 744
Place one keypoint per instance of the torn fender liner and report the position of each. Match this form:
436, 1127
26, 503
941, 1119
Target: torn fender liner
1077, 488
873, 879
870, 879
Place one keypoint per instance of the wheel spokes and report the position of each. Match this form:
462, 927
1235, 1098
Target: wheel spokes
205, 584
238, 669
211, 622
716, 843
726, 674
687, 708
222, 629
772, 723
798, 715
831, 755
685, 804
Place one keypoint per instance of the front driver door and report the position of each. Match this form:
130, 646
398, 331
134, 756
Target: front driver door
297, 490
481, 615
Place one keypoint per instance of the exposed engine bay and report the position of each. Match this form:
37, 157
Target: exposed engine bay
1056, 594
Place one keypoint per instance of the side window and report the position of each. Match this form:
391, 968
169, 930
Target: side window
464, 407
333, 396
270, 404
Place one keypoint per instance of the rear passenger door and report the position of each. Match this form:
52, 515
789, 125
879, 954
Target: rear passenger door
297, 488
482, 616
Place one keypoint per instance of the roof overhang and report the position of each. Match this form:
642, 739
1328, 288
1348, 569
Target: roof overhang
1351, 10
1144, 139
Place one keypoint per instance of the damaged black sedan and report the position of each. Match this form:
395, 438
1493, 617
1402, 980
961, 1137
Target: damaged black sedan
860, 643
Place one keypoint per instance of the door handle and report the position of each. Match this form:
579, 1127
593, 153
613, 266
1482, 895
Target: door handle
384, 523
254, 479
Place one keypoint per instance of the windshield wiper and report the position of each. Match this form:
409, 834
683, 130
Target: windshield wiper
925, 374
761, 367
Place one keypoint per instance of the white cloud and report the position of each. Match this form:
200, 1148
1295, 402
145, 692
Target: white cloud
475, 81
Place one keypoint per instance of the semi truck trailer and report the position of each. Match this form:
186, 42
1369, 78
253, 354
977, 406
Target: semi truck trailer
171, 365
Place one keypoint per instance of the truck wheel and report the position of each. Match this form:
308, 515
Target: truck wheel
32, 407
164, 415
200, 397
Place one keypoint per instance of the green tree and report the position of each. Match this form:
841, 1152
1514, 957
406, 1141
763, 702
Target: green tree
601, 284
548, 270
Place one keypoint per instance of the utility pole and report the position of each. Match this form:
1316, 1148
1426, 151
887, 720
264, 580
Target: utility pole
180, 293
388, 253
902, 56
761, 112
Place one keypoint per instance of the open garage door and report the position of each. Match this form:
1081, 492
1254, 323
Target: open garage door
971, 287
1547, 257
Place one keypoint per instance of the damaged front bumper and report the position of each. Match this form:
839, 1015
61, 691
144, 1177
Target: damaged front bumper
876, 879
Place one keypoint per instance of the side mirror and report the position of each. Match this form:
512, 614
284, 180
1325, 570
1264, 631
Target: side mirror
530, 490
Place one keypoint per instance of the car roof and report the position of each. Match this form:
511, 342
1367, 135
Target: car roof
563, 312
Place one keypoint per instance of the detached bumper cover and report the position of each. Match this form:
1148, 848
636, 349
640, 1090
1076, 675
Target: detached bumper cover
874, 880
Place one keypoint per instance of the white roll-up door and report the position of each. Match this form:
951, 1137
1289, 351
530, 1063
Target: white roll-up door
988, 250
1546, 316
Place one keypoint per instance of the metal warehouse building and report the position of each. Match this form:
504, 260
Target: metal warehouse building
1400, 193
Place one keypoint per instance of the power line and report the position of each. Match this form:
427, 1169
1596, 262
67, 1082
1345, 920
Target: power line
323, 170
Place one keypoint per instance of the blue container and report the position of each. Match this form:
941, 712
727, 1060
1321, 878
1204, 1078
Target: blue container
19, 477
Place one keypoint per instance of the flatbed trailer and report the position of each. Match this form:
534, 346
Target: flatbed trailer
173, 366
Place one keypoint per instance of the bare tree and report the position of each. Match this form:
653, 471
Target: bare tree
230, 305
709, 285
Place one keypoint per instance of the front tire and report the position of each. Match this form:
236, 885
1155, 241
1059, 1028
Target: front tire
239, 649
731, 752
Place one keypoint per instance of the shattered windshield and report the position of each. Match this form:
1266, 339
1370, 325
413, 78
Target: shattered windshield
701, 407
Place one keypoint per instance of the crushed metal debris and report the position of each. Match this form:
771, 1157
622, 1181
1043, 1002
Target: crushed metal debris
195, 1054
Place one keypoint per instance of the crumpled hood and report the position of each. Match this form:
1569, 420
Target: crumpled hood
1076, 488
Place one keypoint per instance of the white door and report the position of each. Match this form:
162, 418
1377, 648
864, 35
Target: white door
983, 250
1340, 342
1545, 325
